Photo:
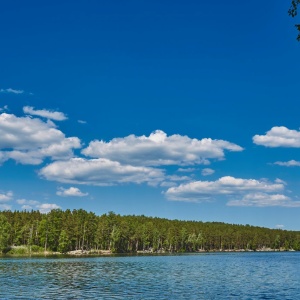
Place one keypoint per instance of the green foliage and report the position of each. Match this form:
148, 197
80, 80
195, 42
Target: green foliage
4, 232
81, 230
24, 250
37, 249
21, 250
277, 242
63, 242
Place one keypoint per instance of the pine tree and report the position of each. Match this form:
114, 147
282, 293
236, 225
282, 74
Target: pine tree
4, 232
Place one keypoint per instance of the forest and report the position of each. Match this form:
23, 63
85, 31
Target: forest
63, 231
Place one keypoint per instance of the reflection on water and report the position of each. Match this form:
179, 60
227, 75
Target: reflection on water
199, 276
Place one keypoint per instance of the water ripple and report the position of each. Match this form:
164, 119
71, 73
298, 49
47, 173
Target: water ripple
242, 276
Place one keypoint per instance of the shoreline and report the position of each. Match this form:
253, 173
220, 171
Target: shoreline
103, 253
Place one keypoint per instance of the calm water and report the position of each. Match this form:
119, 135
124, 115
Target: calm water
199, 276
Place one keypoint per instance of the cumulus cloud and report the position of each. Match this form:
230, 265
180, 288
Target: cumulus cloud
33, 204
159, 149
279, 136
11, 91
131, 159
81, 122
4, 197
29, 141
227, 185
264, 200
71, 192
101, 172
279, 226
207, 172
46, 207
53, 115
290, 163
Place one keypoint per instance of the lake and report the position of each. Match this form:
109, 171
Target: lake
267, 275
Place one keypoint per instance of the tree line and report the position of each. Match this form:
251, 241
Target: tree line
63, 231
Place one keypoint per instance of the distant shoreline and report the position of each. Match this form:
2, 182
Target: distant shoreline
103, 253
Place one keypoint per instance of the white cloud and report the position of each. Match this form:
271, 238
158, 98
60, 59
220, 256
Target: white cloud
26, 133
23, 157
279, 136
101, 172
29, 202
264, 200
171, 179
207, 172
6, 196
30, 140
279, 226
81, 122
53, 115
26, 207
5, 207
205, 190
290, 163
46, 207
159, 149
186, 170
61, 149
33, 204
11, 91
71, 192
178, 178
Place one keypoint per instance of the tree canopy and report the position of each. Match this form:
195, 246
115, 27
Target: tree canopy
68, 230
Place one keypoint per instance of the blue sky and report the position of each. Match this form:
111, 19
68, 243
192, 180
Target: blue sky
183, 110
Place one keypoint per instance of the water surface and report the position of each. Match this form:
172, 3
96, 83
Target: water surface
195, 276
